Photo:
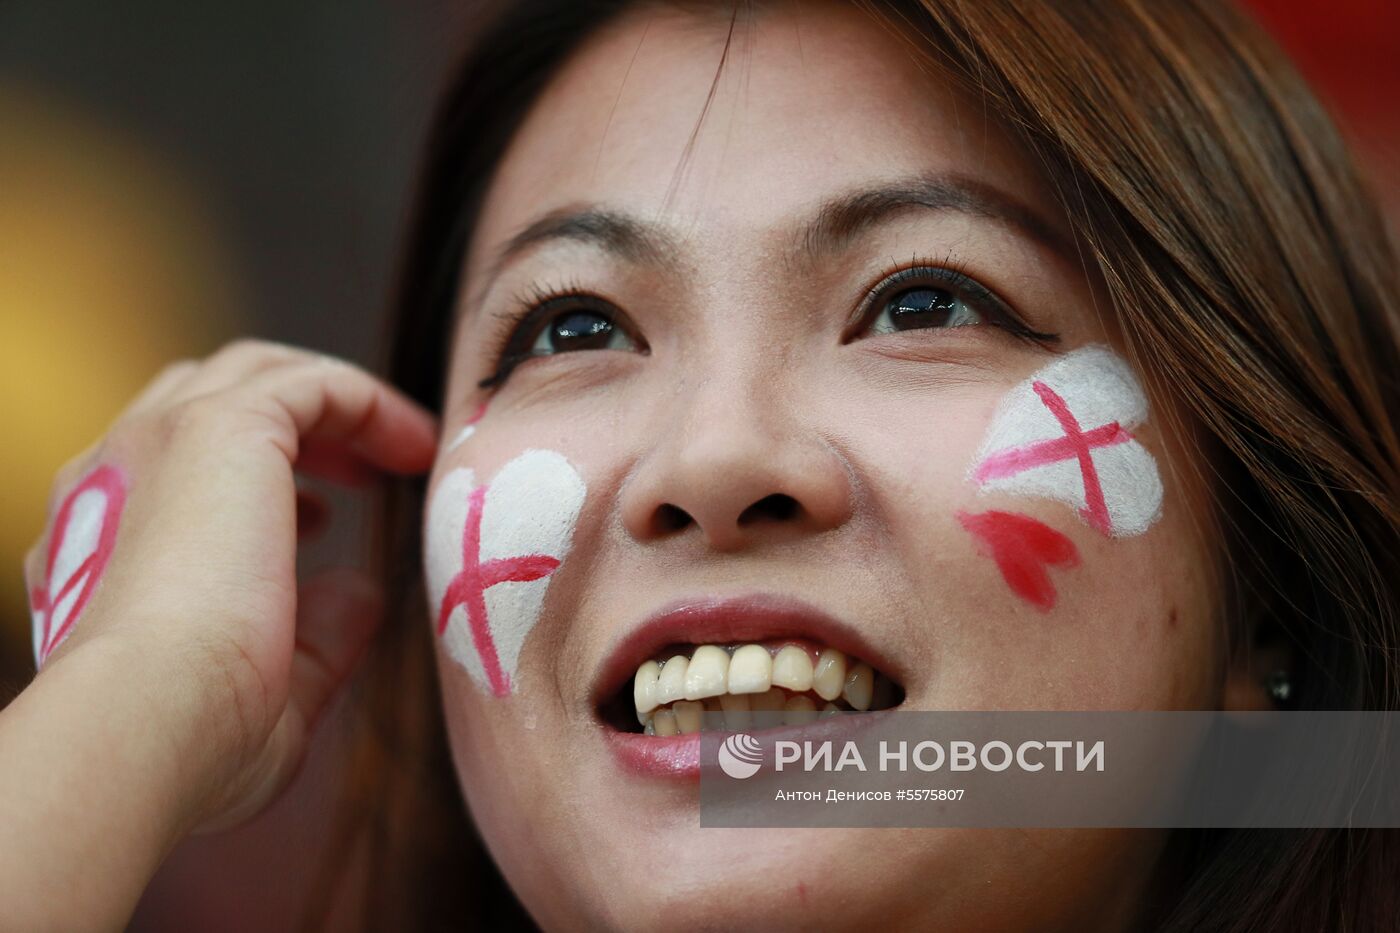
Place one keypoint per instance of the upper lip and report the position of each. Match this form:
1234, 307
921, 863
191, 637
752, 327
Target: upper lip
730, 619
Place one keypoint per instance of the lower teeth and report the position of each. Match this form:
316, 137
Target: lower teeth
733, 712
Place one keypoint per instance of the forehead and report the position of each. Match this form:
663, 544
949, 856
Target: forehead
813, 100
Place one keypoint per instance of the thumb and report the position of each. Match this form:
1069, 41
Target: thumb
338, 612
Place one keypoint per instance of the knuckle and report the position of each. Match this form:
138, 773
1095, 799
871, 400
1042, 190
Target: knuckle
242, 346
180, 367
249, 352
174, 372
189, 416
324, 367
65, 478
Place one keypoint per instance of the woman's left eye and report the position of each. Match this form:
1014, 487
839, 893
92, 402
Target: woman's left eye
922, 307
938, 298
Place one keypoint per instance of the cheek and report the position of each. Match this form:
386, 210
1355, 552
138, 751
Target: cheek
477, 740
508, 773
1055, 580
492, 547
1137, 627
467, 430
1131, 624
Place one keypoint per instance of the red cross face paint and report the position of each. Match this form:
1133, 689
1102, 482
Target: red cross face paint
84, 533
491, 552
1064, 434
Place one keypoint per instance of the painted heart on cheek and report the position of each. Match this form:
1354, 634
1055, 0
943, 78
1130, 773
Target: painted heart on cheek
84, 533
491, 553
1022, 548
1063, 434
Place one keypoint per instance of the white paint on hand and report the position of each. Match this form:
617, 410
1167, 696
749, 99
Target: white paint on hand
80, 544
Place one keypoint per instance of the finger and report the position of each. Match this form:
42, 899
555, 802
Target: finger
337, 614
163, 388
336, 404
236, 363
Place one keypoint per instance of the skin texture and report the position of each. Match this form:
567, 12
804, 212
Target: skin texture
756, 383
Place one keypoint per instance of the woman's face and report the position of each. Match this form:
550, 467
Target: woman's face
750, 434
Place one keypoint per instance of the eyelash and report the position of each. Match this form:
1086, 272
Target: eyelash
515, 325
952, 276
540, 300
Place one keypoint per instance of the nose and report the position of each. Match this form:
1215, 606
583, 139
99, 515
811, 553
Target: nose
740, 469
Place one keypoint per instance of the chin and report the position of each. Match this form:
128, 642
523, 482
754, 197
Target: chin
688, 878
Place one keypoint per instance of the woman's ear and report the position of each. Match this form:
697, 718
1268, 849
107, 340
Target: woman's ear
1264, 675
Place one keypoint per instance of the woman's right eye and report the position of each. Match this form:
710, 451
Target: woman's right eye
560, 324
581, 329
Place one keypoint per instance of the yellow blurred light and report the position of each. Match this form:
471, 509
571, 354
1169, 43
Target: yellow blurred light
110, 267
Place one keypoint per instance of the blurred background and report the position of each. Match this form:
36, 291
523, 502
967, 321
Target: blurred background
173, 175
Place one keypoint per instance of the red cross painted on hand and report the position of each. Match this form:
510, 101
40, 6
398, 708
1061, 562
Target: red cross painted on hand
82, 581
39, 600
1076, 443
469, 588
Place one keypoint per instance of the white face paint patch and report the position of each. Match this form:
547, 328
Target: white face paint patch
1063, 434
467, 431
80, 544
491, 551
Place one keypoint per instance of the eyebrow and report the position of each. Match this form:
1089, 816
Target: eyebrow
836, 223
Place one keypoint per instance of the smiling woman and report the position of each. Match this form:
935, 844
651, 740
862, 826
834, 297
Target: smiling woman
789, 284
788, 358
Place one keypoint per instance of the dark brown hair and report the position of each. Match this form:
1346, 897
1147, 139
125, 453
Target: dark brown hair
1251, 278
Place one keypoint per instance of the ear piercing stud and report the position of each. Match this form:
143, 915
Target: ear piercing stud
1280, 686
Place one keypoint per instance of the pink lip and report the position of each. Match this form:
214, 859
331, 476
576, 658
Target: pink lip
713, 620
677, 756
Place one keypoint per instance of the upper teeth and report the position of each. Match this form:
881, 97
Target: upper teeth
744, 678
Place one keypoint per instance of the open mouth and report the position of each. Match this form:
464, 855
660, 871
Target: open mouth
802, 680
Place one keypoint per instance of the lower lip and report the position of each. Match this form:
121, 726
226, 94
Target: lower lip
678, 756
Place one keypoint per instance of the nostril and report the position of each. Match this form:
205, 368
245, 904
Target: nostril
671, 518
777, 507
